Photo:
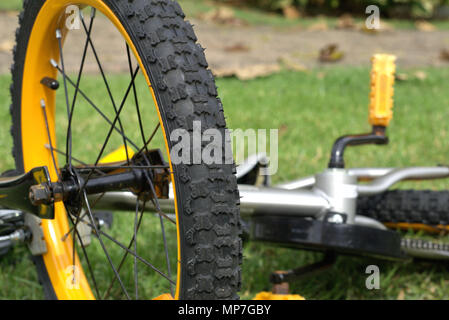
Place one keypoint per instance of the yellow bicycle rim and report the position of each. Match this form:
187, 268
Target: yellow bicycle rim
42, 46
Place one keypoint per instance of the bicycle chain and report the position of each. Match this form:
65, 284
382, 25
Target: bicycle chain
425, 247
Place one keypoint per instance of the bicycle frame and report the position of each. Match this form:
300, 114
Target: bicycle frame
314, 213
332, 191
303, 197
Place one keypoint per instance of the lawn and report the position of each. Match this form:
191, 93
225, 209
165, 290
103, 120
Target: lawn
194, 8
11, 5
254, 16
310, 110
313, 109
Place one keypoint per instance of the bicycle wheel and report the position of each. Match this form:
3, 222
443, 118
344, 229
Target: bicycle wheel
199, 251
426, 210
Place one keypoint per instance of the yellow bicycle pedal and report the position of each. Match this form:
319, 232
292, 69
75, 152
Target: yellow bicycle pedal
272, 296
382, 89
117, 155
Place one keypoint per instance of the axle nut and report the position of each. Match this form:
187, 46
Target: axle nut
40, 194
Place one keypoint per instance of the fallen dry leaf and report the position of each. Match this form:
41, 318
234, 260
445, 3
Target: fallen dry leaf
420, 75
248, 72
291, 12
321, 75
12, 13
401, 77
238, 47
318, 155
319, 26
6, 46
444, 54
283, 129
257, 71
222, 15
346, 21
330, 53
417, 75
423, 25
265, 38
384, 26
292, 65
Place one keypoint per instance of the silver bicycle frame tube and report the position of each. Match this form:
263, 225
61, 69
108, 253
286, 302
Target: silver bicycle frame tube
362, 174
285, 200
383, 183
254, 201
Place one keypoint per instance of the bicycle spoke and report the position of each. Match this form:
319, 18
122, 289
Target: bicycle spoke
98, 169
167, 258
98, 234
136, 99
77, 160
64, 237
81, 92
89, 40
83, 59
136, 276
111, 129
129, 251
122, 261
49, 147
44, 110
161, 214
90, 171
89, 168
137, 256
61, 56
57, 171
149, 139
89, 266
71, 111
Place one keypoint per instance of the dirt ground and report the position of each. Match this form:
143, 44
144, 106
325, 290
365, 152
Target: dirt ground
230, 48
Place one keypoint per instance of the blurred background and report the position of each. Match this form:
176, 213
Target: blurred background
302, 67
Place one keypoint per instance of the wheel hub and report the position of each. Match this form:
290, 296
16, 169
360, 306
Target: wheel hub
147, 175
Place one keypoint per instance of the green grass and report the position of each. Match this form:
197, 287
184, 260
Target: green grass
255, 16
8, 5
311, 110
